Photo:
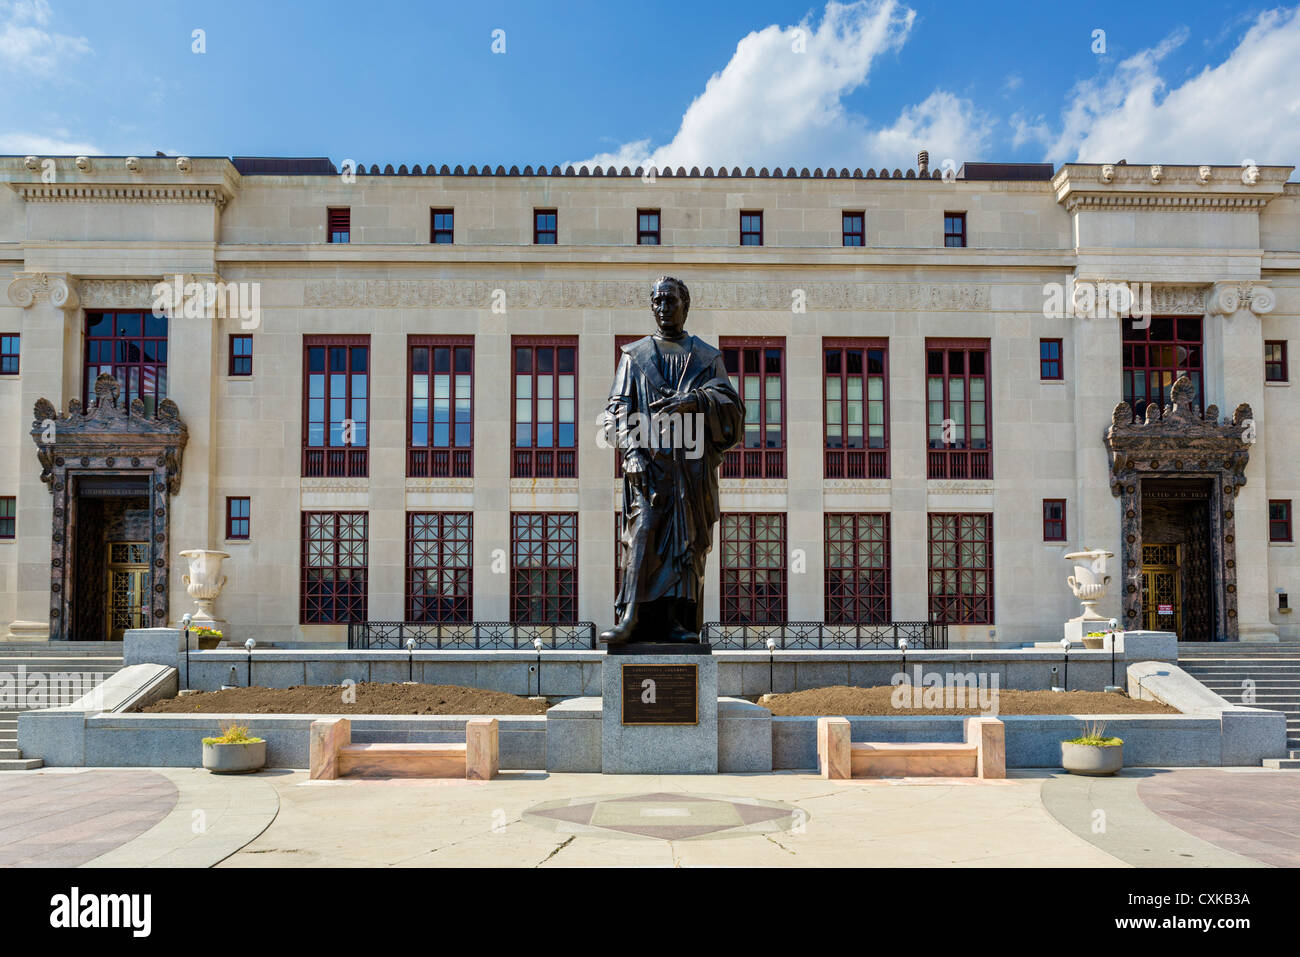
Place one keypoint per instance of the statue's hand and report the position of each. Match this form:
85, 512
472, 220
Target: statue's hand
677, 402
634, 462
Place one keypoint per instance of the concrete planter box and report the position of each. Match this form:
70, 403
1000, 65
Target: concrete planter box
1090, 759
234, 758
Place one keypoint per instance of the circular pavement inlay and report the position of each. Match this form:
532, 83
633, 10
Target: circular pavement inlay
665, 816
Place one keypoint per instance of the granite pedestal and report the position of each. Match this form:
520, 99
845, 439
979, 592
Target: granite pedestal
654, 748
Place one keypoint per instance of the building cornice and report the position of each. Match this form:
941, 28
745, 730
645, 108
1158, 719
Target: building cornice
120, 193
1114, 186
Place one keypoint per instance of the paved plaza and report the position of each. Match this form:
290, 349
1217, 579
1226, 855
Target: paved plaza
188, 817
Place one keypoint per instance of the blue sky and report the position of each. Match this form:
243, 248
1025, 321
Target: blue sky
761, 83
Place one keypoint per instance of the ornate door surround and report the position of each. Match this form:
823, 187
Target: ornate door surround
1180, 444
107, 440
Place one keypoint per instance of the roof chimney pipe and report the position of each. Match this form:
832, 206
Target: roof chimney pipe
923, 163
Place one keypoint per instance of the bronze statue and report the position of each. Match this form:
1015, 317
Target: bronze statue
672, 415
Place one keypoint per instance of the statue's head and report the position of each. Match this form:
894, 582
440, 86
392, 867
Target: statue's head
670, 301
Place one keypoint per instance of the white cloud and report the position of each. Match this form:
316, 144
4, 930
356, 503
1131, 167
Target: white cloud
25, 144
1247, 107
25, 43
774, 105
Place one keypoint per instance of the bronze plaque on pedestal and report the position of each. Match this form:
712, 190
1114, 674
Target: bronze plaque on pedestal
660, 694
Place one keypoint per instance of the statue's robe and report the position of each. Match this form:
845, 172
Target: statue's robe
668, 535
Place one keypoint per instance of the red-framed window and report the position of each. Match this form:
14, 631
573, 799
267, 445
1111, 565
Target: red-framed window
1156, 353
1050, 359
954, 229
335, 406
8, 516
440, 407
756, 368
546, 230
857, 568
545, 373
440, 567
1275, 364
1279, 520
442, 226
961, 568
751, 227
338, 224
855, 396
239, 517
241, 355
10, 346
334, 568
619, 342
1054, 520
959, 430
753, 568
647, 227
854, 228
132, 347
544, 567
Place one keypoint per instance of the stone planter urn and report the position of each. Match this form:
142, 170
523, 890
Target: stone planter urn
1089, 580
205, 581
234, 758
1092, 760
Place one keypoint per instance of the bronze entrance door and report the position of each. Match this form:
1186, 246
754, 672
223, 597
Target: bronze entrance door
128, 588
1162, 606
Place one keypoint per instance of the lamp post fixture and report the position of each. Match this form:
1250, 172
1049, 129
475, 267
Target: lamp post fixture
249, 646
410, 660
185, 623
537, 644
771, 665
1065, 650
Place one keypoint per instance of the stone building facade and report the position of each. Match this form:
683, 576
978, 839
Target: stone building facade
405, 427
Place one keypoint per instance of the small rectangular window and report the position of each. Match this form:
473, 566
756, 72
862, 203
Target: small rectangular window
1275, 367
8, 516
954, 229
238, 518
647, 227
751, 227
1049, 359
241, 355
1053, 519
9, 348
339, 224
442, 226
1279, 520
853, 229
545, 228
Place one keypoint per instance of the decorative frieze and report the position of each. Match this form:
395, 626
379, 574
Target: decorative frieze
1178, 300
631, 294
151, 195
117, 293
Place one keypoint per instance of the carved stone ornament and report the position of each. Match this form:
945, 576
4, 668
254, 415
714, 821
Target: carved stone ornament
109, 431
1229, 298
58, 289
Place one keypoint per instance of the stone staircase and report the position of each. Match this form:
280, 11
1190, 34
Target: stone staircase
1274, 667
27, 658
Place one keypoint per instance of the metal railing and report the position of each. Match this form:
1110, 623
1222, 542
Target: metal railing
825, 636
498, 635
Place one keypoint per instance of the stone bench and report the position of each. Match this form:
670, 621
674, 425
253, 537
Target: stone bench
981, 755
333, 755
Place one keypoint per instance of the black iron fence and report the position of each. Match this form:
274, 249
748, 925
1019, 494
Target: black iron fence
824, 636
488, 635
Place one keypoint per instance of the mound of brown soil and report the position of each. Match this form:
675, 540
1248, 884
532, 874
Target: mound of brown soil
843, 700
366, 698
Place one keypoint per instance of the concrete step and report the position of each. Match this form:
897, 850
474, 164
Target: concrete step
21, 764
10, 754
1282, 764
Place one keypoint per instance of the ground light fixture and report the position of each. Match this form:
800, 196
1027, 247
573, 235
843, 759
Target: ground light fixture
185, 623
1065, 650
410, 660
249, 646
1114, 626
771, 666
537, 644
